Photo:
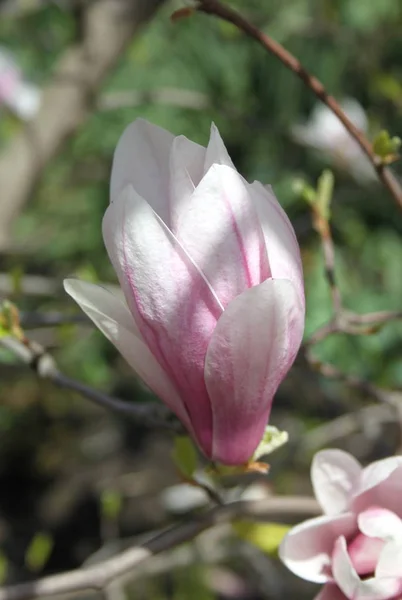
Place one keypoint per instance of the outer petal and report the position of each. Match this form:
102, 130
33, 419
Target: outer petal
252, 348
381, 485
113, 318
330, 592
141, 159
172, 303
280, 239
307, 549
353, 587
220, 230
334, 475
390, 561
216, 153
186, 171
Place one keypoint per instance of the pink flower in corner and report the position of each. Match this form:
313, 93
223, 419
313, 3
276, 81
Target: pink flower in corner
356, 547
211, 274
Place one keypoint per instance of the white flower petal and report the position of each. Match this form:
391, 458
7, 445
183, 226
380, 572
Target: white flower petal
334, 475
113, 318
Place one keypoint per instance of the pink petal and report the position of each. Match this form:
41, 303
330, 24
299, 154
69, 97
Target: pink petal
334, 475
307, 548
141, 159
374, 588
280, 239
113, 318
381, 485
390, 561
380, 523
330, 591
216, 153
219, 229
174, 307
364, 553
251, 350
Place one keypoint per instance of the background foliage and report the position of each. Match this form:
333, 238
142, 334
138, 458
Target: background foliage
60, 456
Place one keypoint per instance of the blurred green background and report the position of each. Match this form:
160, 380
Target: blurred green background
58, 454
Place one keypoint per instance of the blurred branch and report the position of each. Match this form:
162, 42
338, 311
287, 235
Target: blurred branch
29, 285
332, 372
214, 7
365, 419
109, 26
35, 356
170, 96
101, 575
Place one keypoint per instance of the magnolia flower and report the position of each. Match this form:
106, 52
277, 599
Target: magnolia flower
323, 131
211, 274
21, 97
356, 548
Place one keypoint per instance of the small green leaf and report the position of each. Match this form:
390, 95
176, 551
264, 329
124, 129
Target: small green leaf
272, 439
185, 455
325, 189
304, 190
110, 504
38, 551
385, 146
266, 536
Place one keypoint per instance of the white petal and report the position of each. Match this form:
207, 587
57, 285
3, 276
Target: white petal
216, 153
390, 561
141, 159
334, 475
280, 239
307, 549
220, 230
113, 318
375, 475
253, 346
374, 588
170, 299
186, 171
380, 523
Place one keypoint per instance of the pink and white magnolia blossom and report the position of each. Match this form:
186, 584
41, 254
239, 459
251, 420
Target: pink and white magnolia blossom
212, 279
356, 547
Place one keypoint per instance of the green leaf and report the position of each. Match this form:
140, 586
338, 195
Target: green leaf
385, 146
266, 536
272, 439
325, 189
38, 551
111, 502
185, 455
304, 190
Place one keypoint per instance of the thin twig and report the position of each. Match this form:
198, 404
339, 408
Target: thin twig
99, 576
214, 7
332, 372
35, 356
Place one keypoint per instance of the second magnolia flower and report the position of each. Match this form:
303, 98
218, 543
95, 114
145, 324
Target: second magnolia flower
212, 279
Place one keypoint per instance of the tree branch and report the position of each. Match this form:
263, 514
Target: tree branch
31, 353
101, 575
214, 7
109, 26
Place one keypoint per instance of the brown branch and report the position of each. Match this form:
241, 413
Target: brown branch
109, 26
214, 7
35, 356
101, 575
328, 370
